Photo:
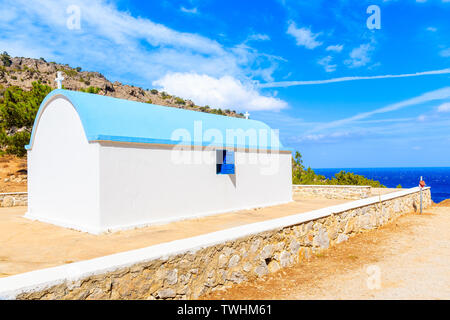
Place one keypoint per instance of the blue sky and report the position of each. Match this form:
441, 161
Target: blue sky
273, 59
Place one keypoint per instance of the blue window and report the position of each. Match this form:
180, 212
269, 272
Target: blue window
225, 162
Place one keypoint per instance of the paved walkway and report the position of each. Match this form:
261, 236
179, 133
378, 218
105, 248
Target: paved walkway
406, 259
27, 245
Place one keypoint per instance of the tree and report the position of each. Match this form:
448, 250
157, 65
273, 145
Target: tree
18, 110
300, 175
6, 59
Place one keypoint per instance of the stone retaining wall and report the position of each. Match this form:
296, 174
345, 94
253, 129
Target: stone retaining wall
308, 191
13, 199
332, 192
189, 268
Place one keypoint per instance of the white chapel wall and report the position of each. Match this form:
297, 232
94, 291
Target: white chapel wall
63, 170
142, 184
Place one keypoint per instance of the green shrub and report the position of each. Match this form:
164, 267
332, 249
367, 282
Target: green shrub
180, 101
349, 178
6, 59
16, 143
154, 91
91, 89
18, 108
70, 72
164, 95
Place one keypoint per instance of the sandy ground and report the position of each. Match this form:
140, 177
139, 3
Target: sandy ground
29, 245
406, 259
14, 171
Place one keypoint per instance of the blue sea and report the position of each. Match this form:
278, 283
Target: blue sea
438, 178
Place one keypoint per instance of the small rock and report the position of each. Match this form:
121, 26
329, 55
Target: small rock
166, 293
321, 239
193, 271
172, 276
255, 245
237, 277
222, 261
285, 259
266, 252
8, 201
294, 246
234, 261
247, 267
273, 266
261, 270
341, 238
228, 251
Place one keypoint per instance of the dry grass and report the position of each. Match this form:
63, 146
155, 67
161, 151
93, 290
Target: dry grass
12, 165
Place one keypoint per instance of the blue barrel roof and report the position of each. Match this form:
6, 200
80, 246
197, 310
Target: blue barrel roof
110, 119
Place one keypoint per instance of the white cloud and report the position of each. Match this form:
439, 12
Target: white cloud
432, 29
359, 56
445, 53
224, 92
185, 10
335, 48
344, 79
303, 36
258, 37
439, 94
445, 107
422, 118
326, 63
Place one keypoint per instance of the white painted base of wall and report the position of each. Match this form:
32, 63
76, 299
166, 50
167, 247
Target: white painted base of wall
97, 231
64, 224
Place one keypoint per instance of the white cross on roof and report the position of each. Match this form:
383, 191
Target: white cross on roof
59, 79
246, 114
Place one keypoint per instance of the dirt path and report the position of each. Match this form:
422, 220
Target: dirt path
410, 257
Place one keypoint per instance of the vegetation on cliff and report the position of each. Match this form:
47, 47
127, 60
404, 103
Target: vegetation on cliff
302, 175
18, 109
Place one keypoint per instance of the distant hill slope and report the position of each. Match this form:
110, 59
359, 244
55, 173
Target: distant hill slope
21, 72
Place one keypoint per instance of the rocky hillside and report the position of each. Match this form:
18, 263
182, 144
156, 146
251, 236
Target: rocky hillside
21, 72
